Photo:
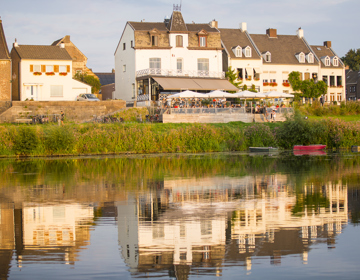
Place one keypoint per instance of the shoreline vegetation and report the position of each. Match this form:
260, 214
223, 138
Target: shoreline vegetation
151, 138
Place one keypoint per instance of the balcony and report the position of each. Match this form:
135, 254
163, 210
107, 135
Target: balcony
179, 73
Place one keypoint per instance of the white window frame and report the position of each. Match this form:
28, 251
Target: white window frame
179, 62
237, 51
247, 51
203, 66
301, 57
327, 61
155, 64
335, 61
179, 41
49, 68
310, 58
56, 91
202, 41
268, 57
37, 68
62, 68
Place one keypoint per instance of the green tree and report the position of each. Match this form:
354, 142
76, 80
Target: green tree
232, 76
308, 88
90, 80
352, 59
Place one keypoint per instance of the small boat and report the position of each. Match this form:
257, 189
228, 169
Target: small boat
309, 147
262, 149
309, 153
355, 149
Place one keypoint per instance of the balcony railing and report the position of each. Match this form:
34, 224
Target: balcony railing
179, 73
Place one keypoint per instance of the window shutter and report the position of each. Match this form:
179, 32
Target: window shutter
43, 68
31, 68
68, 68
56, 68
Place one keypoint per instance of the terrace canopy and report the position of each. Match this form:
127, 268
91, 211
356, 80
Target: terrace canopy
219, 93
276, 94
187, 94
249, 94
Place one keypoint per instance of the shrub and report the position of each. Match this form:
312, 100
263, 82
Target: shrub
59, 139
26, 140
259, 135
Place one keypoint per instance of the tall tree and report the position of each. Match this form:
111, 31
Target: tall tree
308, 88
352, 59
232, 76
90, 80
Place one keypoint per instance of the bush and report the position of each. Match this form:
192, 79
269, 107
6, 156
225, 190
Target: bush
26, 140
59, 139
259, 135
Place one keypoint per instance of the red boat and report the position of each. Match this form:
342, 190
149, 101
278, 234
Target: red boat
309, 147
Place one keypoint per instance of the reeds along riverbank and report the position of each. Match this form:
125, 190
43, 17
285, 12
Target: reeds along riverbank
72, 139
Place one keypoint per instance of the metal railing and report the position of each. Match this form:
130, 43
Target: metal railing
225, 110
179, 73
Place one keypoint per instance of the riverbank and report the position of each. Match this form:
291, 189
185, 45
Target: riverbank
117, 138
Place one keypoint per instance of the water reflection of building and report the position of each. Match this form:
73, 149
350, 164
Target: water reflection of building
202, 222
42, 232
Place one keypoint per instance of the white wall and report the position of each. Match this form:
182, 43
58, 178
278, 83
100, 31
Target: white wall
324, 71
41, 84
79, 88
124, 80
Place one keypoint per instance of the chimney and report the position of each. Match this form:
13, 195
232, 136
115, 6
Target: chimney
15, 43
62, 46
300, 33
243, 26
271, 33
113, 70
214, 23
327, 44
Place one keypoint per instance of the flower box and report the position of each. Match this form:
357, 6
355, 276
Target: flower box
256, 79
273, 84
340, 86
49, 73
37, 73
248, 79
62, 73
286, 84
265, 84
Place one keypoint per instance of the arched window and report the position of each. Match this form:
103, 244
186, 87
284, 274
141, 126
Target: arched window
179, 41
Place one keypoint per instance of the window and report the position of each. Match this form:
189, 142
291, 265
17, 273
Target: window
154, 41
133, 90
247, 51
179, 65
124, 46
339, 81
306, 76
179, 40
132, 43
332, 81
335, 61
272, 80
327, 61
240, 73
302, 58
62, 68
155, 65
37, 68
203, 66
267, 56
202, 41
310, 58
124, 68
56, 91
49, 68
325, 79
237, 51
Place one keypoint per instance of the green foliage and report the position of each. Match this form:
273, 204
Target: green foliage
59, 139
259, 135
26, 140
90, 80
232, 76
244, 87
308, 88
352, 59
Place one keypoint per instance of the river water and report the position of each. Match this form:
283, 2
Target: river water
207, 216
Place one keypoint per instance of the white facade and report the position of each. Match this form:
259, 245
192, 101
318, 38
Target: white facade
43, 86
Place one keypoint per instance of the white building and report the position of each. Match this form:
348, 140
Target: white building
44, 73
163, 57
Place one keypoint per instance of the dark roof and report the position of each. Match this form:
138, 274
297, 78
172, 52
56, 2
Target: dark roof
106, 78
4, 51
282, 48
196, 27
42, 52
235, 37
56, 42
351, 77
177, 22
322, 51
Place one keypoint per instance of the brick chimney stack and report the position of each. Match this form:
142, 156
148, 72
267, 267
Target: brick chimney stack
327, 44
272, 33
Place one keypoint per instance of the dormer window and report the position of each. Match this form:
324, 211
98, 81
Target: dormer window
154, 40
179, 41
202, 41
310, 58
247, 51
302, 58
327, 61
237, 51
335, 61
267, 56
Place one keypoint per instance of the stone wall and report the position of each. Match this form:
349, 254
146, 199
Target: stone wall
143, 39
78, 111
5, 77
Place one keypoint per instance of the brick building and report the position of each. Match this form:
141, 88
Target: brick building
5, 68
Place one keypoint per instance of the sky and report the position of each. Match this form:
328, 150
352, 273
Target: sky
95, 26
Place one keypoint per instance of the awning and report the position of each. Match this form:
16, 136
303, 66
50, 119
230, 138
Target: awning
257, 70
207, 84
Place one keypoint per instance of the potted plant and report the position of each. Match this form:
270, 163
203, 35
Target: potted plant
37, 73
50, 73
